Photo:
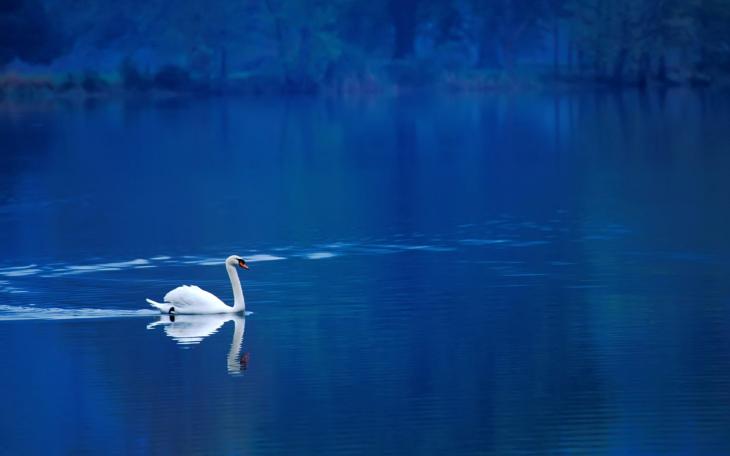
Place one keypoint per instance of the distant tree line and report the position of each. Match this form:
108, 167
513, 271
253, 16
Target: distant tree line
304, 45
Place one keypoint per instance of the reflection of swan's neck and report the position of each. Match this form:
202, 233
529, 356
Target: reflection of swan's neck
239, 304
233, 363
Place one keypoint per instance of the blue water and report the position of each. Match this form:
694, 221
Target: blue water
507, 274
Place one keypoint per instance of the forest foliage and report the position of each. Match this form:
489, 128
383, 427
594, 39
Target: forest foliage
305, 46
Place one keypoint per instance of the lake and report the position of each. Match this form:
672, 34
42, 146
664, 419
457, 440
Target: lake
443, 274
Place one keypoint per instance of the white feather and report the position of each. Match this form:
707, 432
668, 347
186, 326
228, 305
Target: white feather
190, 299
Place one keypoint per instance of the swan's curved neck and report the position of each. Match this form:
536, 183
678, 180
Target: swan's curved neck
239, 304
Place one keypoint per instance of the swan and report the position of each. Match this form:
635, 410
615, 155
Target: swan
190, 299
192, 329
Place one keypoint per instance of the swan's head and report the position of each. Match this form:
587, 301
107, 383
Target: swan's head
235, 260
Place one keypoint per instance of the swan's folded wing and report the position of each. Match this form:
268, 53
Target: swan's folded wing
190, 297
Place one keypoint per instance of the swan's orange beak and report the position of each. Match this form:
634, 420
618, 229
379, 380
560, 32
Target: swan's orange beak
242, 264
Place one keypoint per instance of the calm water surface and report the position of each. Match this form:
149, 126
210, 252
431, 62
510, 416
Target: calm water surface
436, 275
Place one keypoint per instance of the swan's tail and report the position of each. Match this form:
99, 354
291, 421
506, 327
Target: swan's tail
163, 307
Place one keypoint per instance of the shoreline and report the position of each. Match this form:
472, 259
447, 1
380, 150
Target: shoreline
94, 87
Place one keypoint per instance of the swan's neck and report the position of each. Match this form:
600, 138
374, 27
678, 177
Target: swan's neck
238, 303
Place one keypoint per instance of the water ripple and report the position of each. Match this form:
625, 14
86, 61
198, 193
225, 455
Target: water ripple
55, 313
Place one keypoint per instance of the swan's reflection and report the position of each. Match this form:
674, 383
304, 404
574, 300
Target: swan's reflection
192, 329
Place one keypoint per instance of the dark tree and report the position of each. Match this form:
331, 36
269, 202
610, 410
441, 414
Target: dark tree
404, 14
26, 33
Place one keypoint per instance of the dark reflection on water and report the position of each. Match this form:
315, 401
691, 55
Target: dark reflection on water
451, 275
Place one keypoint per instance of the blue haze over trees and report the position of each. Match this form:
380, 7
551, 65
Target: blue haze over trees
343, 46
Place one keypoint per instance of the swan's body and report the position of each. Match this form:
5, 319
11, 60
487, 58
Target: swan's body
190, 299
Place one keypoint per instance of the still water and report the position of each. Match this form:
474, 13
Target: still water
502, 274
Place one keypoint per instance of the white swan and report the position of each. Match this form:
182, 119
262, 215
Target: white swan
192, 329
190, 299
